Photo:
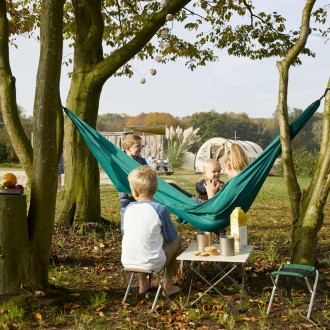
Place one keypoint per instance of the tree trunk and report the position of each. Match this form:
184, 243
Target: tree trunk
304, 236
13, 243
306, 208
311, 216
45, 156
81, 200
82, 179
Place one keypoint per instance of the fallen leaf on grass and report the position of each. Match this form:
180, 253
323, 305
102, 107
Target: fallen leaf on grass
74, 294
100, 308
258, 270
252, 319
71, 306
167, 320
37, 316
182, 317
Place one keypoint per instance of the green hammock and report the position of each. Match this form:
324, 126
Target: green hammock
211, 215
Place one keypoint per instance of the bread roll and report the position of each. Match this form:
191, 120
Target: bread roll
211, 249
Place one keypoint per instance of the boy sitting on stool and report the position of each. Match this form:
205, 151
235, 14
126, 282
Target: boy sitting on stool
150, 239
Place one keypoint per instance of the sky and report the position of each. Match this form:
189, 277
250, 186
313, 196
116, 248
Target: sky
230, 85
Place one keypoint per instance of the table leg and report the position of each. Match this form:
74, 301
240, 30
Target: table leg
211, 286
190, 284
242, 286
223, 270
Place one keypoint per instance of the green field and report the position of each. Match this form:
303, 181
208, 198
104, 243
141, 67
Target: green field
87, 286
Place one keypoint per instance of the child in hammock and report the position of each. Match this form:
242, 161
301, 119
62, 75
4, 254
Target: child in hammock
211, 174
132, 145
235, 161
209, 185
150, 240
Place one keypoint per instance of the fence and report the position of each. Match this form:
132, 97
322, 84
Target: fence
153, 144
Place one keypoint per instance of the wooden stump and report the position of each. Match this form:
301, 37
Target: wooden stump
13, 242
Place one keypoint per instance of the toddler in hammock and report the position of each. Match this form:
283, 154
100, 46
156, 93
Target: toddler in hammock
211, 176
235, 161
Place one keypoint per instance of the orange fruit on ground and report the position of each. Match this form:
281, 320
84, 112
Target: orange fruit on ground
10, 178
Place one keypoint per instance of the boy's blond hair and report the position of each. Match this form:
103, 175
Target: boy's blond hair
211, 163
129, 140
144, 180
237, 157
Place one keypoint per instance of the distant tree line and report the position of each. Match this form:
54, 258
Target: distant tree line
215, 124
211, 124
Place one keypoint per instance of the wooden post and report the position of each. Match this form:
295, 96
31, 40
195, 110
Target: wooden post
13, 242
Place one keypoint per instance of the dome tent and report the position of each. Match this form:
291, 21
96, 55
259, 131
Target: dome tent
215, 148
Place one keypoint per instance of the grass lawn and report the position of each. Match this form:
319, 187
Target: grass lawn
87, 286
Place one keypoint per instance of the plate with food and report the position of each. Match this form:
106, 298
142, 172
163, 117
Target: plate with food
9, 186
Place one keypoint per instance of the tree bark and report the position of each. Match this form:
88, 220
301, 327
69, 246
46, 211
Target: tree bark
306, 208
45, 156
311, 217
13, 243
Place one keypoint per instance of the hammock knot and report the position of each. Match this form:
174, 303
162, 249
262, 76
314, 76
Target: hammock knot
326, 90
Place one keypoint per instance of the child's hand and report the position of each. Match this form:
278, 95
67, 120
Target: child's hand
221, 185
212, 187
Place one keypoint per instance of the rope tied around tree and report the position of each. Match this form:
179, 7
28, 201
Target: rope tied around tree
326, 90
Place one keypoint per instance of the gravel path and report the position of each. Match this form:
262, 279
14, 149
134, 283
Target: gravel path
22, 179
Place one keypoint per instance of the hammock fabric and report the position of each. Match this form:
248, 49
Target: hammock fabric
211, 215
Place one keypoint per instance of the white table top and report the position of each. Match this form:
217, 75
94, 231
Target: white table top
240, 256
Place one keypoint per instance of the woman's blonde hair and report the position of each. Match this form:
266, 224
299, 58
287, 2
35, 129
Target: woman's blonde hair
144, 180
237, 157
129, 140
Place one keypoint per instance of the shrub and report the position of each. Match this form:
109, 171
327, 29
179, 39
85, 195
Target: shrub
178, 142
7, 153
304, 162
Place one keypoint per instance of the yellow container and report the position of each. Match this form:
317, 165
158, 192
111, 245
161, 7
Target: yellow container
238, 227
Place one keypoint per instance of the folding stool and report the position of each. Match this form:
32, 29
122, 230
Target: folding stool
299, 271
135, 271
